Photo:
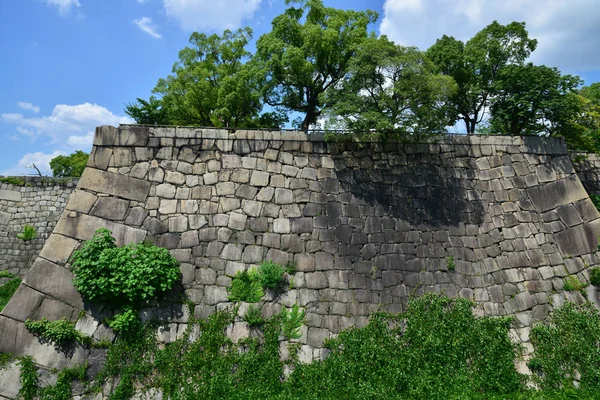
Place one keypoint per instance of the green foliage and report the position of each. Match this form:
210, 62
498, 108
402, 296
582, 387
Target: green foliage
450, 264
5, 358
29, 233
12, 180
567, 345
69, 166
123, 275
307, 53
126, 321
291, 322
253, 316
211, 85
246, 286
475, 65
532, 99
595, 276
393, 91
573, 283
270, 274
29, 378
62, 389
6, 274
596, 200
8, 289
290, 267
61, 331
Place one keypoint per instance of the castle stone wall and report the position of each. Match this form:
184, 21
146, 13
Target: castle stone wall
499, 220
39, 203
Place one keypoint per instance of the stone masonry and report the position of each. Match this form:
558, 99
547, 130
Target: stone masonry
39, 204
499, 220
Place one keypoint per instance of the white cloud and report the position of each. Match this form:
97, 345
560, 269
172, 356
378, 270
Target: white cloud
25, 164
63, 6
566, 31
142, 1
146, 25
66, 121
28, 106
81, 140
210, 14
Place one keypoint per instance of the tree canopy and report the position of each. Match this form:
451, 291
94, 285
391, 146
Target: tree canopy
475, 65
69, 166
325, 64
307, 53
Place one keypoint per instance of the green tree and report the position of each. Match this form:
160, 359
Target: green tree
532, 99
149, 112
307, 53
475, 65
69, 166
211, 85
393, 90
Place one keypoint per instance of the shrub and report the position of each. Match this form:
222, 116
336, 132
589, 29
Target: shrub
124, 275
11, 180
595, 276
61, 331
450, 264
270, 274
29, 233
246, 286
568, 344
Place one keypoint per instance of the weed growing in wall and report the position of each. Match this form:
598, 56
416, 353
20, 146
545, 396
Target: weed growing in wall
253, 316
60, 332
291, 322
270, 274
61, 390
11, 180
246, 286
29, 233
450, 263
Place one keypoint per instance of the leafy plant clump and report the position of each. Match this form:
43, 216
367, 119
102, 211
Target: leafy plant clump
595, 276
270, 274
253, 316
291, 322
61, 390
568, 346
61, 331
125, 276
450, 263
8, 289
246, 286
573, 283
29, 233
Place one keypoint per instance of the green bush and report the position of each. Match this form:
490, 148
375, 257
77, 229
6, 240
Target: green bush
29, 378
13, 181
60, 332
29, 233
8, 289
270, 274
246, 286
122, 275
253, 316
595, 276
569, 344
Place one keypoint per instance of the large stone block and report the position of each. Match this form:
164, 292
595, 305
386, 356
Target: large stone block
114, 184
58, 248
82, 227
10, 195
578, 240
23, 303
110, 208
54, 280
551, 195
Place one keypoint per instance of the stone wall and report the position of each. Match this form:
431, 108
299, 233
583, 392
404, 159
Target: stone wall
500, 220
39, 203
587, 166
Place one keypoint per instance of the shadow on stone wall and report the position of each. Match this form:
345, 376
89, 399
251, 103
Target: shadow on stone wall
419, 194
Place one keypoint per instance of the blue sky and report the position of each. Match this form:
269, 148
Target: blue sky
70, 65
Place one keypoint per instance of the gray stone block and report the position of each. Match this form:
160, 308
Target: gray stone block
54, 280
58, 249
110, 208
23, 303
114, 184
